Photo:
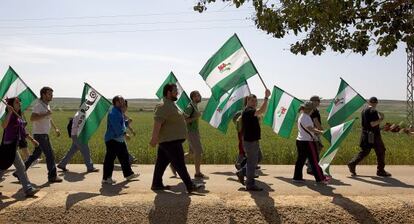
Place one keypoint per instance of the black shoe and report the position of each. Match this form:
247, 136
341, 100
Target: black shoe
31, 192
194, 187
254, 188
383, 173
309, 171
238, 166
240, 177
352, 169
258, 167
160, 188
62, 168
55, 180
15, 175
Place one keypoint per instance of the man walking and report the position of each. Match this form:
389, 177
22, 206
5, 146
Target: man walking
192, 115
251, 137
169, 132
371, 138
115, 143
42, 122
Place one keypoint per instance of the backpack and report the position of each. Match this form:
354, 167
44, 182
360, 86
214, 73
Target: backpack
69, 127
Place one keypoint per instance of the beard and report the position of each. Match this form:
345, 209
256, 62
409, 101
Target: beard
174, 98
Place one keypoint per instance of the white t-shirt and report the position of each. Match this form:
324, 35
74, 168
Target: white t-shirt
306, 121
75, 123
41, 126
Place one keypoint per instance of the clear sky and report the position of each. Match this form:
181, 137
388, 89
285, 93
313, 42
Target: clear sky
128, 47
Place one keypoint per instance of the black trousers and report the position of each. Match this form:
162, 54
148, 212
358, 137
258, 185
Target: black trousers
171, 152
116, 149
379, 148
307, 150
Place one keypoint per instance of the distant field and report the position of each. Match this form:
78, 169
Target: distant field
222, 148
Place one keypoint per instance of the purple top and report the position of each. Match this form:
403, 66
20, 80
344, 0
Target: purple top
15, 130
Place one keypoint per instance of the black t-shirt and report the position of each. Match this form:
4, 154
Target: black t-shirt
315, 114
369, 115
251, 126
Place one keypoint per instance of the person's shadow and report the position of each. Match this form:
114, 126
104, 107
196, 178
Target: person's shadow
17, 197
72, 199
170, 207
381, 181
358, 211
114, 190
74, 177
264, 202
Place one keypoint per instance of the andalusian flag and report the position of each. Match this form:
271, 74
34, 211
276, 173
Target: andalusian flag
227, 68
182, 98
219, 113
281, 112
93, 109
335, 136
345, 103
13, 86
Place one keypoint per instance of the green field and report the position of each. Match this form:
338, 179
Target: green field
222, 148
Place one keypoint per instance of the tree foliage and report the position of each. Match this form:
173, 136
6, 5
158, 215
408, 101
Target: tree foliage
339, 24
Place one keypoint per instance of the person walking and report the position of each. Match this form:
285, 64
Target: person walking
115, 143
317, 122
371, 138
169, 132
42, 122
251, 136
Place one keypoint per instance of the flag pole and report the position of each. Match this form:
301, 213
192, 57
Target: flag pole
251, 61
12, 109
353, 89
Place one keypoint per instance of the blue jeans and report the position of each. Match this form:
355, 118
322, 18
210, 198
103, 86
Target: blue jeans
252, 150
83, 148
46, 148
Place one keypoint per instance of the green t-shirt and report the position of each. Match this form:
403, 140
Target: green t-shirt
190, 112
172, 120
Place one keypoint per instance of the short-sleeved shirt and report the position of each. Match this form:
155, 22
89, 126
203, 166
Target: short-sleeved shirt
190, 112
369, 115
172, 121
306, 121
315, 114
251, 126
15, 130
43, 125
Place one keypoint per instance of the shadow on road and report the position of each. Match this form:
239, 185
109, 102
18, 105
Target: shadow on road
358, 211
382, 181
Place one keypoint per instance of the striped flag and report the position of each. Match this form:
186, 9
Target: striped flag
13, 86
182, 98
346, 102
93, 108
228, 67
335, 136
281, 112
219, 113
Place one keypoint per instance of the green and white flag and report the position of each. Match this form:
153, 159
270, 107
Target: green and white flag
227, 68
281, 112
335, 136
182, 98
92, 110
13, 86
219, 113
345, 103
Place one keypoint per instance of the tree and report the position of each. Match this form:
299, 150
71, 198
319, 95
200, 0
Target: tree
339, 24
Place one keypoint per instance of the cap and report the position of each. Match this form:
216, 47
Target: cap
373, 99
315, 98
308, 105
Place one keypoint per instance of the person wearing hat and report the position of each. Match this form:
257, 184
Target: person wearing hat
371, 138
306, 145
316, 119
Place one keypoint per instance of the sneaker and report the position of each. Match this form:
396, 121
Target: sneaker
93, 170
352, 168
55, 180
254, 188
309, 171
62, 168
160, 188
108, 180
195, 187
383, 173
132, 176
31, 192
201, 176
240, 177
